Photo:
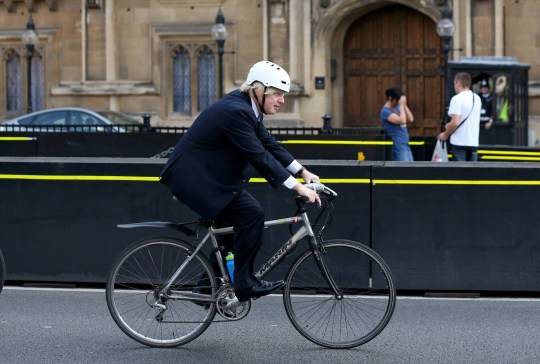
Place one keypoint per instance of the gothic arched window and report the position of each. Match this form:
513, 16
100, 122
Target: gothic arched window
206, 77
181, 81
13, 89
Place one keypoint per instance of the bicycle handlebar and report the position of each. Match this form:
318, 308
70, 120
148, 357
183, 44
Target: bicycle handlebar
321, 188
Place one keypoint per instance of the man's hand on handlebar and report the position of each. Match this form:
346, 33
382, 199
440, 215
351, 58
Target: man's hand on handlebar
308, 176
310, 195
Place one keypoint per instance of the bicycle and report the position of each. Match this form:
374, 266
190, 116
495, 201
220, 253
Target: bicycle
2, 271
163, 292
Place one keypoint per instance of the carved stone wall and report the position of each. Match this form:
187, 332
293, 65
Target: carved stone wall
278, 32
126, 64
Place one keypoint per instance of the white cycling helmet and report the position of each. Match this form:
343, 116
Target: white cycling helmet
270, 75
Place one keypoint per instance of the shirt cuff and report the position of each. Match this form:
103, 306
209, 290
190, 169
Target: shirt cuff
294, 167
290, 182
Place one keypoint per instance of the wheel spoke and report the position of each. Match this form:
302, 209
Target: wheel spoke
135, 301
352, 319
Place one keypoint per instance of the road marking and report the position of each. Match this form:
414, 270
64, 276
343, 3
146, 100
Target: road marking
275, 295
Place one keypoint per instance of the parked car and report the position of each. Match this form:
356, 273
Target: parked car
68, 119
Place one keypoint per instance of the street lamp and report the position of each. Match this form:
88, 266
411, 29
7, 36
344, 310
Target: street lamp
219, 33
29, 39
445, 30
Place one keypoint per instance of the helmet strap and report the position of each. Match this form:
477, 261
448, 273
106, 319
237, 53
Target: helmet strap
263, 100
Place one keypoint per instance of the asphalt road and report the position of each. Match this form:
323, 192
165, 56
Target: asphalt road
74, 326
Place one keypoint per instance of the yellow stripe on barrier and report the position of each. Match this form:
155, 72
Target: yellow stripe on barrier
49, 177
45, 177
17, 139
345, 142
455, 182
509, 158
508, 152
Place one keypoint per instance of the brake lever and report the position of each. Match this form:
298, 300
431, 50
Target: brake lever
321, 188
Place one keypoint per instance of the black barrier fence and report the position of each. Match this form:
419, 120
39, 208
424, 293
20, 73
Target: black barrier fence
451, 226
60, 218
304, 143
458, 228
158, 142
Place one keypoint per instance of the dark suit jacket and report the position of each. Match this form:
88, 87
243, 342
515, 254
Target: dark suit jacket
209, 164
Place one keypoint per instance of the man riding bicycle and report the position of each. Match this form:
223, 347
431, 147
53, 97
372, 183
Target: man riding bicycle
208, 168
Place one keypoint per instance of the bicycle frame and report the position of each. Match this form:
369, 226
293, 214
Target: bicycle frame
304, 231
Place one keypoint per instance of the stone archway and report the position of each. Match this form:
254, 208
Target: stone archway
331, 33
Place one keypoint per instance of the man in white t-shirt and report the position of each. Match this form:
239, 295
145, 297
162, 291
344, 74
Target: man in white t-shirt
464, 127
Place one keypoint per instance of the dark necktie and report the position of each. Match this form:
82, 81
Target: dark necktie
259, 125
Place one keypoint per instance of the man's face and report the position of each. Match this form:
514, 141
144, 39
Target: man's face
484, 90
273, 102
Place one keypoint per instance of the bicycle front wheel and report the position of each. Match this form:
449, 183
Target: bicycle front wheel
133, 293
363, 307
2, 271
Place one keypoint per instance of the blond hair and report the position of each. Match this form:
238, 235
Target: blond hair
258, 87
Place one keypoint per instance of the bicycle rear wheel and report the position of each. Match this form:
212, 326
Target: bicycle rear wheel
362, 311
133, 286
2, 271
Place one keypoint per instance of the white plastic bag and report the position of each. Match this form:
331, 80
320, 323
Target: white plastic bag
440, 153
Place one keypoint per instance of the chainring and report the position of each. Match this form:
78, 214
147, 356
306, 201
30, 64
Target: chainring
229, 307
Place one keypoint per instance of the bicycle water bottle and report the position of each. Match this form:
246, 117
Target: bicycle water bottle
230, 265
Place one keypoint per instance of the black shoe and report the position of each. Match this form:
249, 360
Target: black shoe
263, 288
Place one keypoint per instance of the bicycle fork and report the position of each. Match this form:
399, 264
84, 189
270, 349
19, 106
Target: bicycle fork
318, 254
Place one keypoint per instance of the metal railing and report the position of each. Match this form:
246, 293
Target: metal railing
177, 130
71, 128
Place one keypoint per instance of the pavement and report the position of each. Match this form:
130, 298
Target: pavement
74, 326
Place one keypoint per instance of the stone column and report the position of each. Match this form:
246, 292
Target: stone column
307, 47
110, 50
499, 28
83, 41
278, 32
456, 40
468, 29
265, 32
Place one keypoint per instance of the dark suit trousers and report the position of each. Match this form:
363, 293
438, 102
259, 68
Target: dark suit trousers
247, 216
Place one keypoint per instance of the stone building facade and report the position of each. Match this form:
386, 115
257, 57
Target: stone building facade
158, 56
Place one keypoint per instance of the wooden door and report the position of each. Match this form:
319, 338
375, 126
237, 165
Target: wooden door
394, 46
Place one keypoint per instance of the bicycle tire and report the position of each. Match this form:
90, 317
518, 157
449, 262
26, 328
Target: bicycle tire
365, 282
2, 271
139, 272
